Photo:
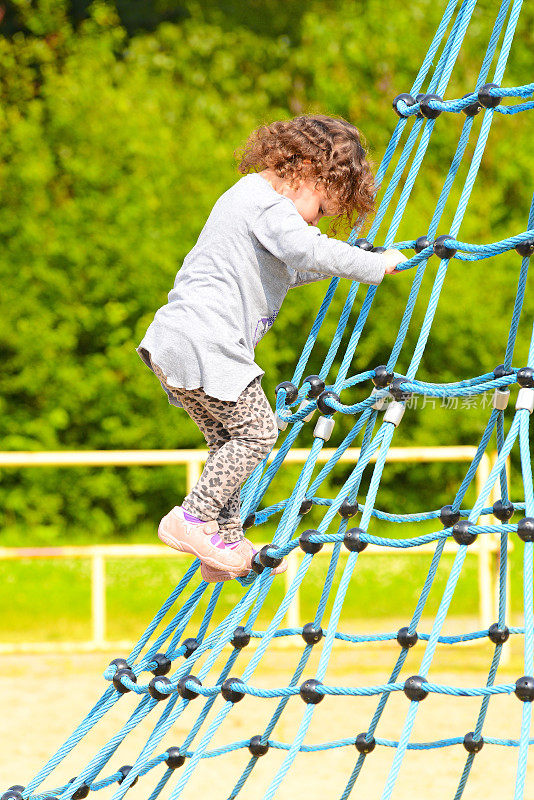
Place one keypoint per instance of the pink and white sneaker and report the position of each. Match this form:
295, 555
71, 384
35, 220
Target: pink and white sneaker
186, 533
248, 551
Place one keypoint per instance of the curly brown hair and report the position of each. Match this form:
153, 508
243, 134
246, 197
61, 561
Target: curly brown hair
328, 150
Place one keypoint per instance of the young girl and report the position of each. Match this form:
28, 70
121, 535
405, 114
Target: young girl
259, 240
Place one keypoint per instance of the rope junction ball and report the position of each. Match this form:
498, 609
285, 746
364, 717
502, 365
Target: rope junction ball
257, 747
463, 533
426, 109
308, 691
471, 744
363, 746
163, 664
353, 541
230, 690
316, 386
407, 639
184, 691
240, 639
119, 675
174, 758
312, 633
304, 542
414, 688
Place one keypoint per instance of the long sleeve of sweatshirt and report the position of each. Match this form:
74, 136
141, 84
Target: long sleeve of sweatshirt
231, 286
302, 278
283, 232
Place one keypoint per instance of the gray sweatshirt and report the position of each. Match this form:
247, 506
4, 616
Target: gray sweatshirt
252, 249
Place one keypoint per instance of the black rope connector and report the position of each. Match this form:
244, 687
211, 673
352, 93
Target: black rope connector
363, 244
500, 371
407, 99
441, 249
414, 688
291, 391
498, 635
525, 248
426, 110
462, 534
407, 639
311, 633
308, 691
503, 511
382, 376
163, 664
524, 689
184, 691
190, 645
418, 98
347, 510
123, 673
525, 377
81, 792
422, 243
305, 506
396, 390
153, 689
471, 744
266, 559
249, 522
240, 638
230, 690
473, 108
321, 404
120, 663
14, 792
256, 565
485, 97
525, 529
306, 545
257, 747
316, 385
448, 517
124, 771
353, 541
362, 745
174, 758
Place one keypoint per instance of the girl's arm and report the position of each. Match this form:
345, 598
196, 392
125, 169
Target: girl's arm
282, 231
302, 278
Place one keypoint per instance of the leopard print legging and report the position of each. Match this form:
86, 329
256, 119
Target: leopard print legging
239, 435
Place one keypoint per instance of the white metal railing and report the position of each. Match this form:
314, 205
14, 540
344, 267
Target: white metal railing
485, 548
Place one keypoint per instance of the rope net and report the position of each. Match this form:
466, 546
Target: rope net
207, 674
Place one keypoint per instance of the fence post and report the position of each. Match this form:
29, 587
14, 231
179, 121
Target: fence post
293, 612
193, 472
486, 597
506, 654
98, 598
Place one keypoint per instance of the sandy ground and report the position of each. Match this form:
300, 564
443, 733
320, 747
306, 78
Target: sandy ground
44, 697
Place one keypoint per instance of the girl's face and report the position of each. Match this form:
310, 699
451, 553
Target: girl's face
311, 202
309, 197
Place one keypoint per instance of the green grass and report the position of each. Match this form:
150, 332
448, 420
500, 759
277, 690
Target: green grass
49, 600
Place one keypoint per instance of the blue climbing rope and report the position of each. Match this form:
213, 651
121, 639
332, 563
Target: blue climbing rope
200, 675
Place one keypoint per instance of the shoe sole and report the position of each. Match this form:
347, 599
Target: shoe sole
219, 576
215, 576
188, 547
